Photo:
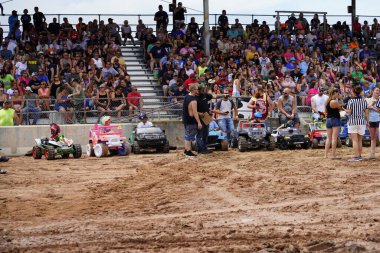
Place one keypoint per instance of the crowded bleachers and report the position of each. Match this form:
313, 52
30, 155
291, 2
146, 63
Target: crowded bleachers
75, 70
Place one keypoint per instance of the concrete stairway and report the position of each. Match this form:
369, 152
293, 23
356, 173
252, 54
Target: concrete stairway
142, 77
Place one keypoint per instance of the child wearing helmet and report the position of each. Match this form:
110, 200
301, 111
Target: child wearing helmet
144, 121
105, 121
55, 130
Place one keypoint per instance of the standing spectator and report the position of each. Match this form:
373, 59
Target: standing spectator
54, 27
162, 19
193, 27
12, 20
38, 19
190, 119
8, 116
179, 15
223, 19
357, 107
126, 32
203, 108
288, 108
374, 119
32, 106
135, 101
332, 122
227, 112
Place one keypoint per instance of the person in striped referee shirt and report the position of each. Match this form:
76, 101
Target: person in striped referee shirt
358, 120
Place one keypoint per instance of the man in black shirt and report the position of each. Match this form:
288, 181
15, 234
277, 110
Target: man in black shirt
179, 15
156, 54
190, 119
193, 27
38, 19
54, 27
223, 19
203, 109
162, 19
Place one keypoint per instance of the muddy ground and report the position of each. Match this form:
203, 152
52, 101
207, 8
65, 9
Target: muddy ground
281, 201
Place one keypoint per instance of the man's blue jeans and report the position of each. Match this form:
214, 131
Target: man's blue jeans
31, 112
227, 126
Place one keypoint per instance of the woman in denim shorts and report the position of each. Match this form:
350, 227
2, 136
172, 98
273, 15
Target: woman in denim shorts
332, 123
374, 119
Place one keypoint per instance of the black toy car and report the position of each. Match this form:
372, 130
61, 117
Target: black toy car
251, 135
149, 138
289, 137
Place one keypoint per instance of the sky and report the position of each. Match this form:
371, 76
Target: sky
133, 7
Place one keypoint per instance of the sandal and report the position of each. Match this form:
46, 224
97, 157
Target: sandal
3, 172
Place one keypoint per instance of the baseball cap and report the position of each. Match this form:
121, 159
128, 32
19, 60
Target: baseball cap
28, 89
292, 59
34, 74
192, 75
211, 81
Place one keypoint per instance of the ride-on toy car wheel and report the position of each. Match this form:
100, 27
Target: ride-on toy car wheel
100, 150
90, 150
272, 144
49, 153
314, 143
77, 151
37, 152
348, 142
223, 145
234, 142
136, 148
242, 144
125, 150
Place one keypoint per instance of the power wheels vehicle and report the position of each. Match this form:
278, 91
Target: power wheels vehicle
104, 140
149, 138
251, 135
318, 135
346, 140
216, 139
289, 137
52, 149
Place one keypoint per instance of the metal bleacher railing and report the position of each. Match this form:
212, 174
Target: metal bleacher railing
86, 113
148, 19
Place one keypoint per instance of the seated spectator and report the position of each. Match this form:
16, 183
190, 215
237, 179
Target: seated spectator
5, 52
64, 104
102, 101
135, 101
157, 53
32, 107
126, 32
118, 102
44, 95
288, 108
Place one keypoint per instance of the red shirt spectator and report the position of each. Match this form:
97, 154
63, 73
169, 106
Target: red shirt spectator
134, 97
192, 79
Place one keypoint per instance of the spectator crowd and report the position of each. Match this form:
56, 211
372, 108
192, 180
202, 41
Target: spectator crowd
77, 67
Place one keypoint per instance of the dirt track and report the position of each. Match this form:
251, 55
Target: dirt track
281, 201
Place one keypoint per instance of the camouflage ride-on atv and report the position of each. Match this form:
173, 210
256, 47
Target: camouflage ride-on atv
289, 137
55, 146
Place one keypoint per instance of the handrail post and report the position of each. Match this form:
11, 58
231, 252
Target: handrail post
59, 18
99, 18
